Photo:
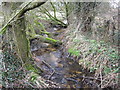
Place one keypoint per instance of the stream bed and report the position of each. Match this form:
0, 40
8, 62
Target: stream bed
59, 68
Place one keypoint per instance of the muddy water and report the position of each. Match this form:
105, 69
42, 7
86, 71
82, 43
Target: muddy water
59, 68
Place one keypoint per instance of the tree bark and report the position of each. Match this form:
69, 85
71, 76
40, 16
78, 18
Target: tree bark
22, 43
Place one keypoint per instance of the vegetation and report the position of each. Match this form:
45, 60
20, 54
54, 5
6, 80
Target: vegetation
58, 45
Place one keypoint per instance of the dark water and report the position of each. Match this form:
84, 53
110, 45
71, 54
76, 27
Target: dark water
59, 68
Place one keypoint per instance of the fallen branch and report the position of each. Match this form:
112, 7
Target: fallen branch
44, 62
47, 40
49, 67
51, 75
52, 17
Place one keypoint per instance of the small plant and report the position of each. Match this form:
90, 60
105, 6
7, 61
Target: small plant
74, 51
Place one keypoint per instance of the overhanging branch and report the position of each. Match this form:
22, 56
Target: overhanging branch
21, 12
32, 6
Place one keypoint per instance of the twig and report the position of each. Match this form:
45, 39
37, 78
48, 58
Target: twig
44, 62
51, 75
53, 18
71, 79
89, 78
49, 67
53, 9
52, 82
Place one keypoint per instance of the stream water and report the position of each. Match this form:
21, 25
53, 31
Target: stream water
59, 68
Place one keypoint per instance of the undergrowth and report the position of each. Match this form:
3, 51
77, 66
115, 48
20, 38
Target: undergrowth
14, 74
98, 57
12, 70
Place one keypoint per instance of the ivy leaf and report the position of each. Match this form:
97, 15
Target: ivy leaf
117, 70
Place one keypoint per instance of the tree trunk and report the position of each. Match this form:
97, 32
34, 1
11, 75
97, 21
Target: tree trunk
22, 43
85, 10
18, 26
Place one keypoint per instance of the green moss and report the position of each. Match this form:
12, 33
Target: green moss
31, 68
53, 40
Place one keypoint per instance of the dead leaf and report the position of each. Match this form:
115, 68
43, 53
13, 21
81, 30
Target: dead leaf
0, 86
70, 63
60, 65
77, 72
36, 59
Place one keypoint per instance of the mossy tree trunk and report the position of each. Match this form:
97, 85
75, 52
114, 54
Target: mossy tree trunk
21, 41
16, 29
